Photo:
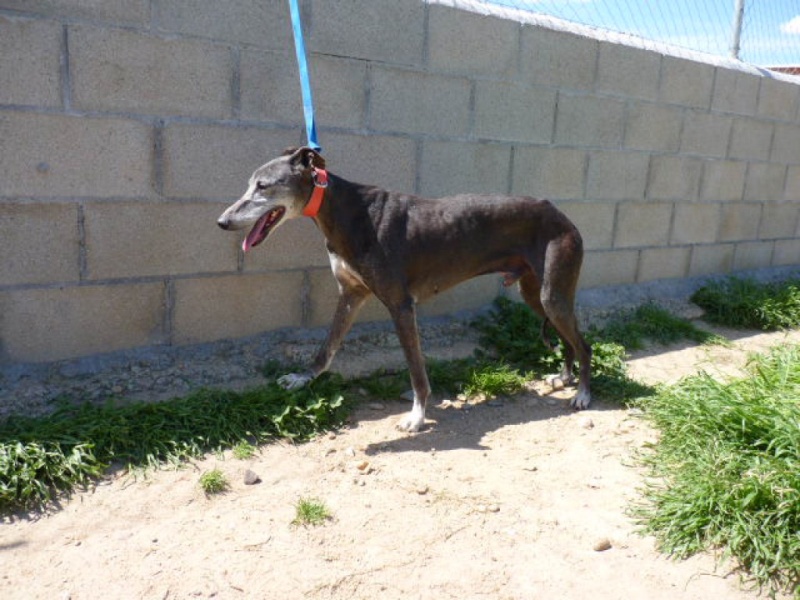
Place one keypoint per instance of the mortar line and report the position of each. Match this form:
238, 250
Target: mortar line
158, 157
169, 310
83, 269
66, 77
236, 82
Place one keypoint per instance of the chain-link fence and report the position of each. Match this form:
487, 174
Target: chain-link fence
762, 32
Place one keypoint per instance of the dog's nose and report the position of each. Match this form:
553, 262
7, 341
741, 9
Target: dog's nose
223, 222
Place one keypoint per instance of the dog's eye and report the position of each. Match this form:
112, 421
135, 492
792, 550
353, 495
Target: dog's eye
261, 186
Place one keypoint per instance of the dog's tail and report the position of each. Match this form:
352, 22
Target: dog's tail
543, 334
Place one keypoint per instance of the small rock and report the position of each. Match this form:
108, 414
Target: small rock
364, 467
376, 406
422, 490
493, 508
251, 477
350, 451
602, 545
331, 435
586, 423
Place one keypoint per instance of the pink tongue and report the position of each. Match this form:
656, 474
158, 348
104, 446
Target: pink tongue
256, 235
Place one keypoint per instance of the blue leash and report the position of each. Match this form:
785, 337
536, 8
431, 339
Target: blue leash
305, 83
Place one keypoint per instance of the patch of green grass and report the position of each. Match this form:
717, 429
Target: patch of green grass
213, 482
650, 322
43, 458
726, 471
243, 450
311, 511
745, 303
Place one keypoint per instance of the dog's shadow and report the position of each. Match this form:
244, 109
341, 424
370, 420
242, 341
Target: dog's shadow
450, 428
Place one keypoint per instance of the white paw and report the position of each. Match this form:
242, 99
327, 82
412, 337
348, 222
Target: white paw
412, 422
294, 381
582, 400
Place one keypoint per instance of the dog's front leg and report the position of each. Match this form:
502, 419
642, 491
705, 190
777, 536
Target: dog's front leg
405, 321
351, 299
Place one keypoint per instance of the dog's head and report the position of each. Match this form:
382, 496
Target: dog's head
276, 192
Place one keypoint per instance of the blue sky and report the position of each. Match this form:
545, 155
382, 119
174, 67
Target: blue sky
770, 35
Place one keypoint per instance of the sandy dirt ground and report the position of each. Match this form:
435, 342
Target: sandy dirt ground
518, 498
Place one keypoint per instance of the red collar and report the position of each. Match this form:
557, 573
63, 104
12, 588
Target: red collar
320, 178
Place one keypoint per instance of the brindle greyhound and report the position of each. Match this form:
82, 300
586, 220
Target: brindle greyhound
405, 249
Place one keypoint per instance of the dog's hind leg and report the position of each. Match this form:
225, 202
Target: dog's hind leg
531, 291
351, 299
559, 282
405, 321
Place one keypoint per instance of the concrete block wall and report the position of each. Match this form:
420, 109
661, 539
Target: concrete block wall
126, 126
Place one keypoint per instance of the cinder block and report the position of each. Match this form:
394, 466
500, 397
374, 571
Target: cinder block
653, 127
270, 87
558, 59
469, 295
123, 71
686, 82
465, 42
386, 161
627, 71
507, 111
723, 180
378, 30
778, 220
616, 176
711, 260
792, 193
552, 173
786, 144
643, 225
753, 255
412, 102
340, 91
46, 324
40, 243
214, 308
30, 53
125, 12
263, 23
705, 134
739, 222
787, 252
764, 182
735, 92
455, 167
695, 223
751, 139
58, 155
589, 121
674, 178
214, 161
595, 221
613, 267
778, 99
663, 263
297, 244
142, 239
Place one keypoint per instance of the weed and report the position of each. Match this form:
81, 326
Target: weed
650, 322
243, 450
726, 471
213, 482
745, 303
311, 511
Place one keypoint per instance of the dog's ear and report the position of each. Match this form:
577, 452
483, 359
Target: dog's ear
305, 158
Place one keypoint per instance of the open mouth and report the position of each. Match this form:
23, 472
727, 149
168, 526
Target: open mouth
261, 229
